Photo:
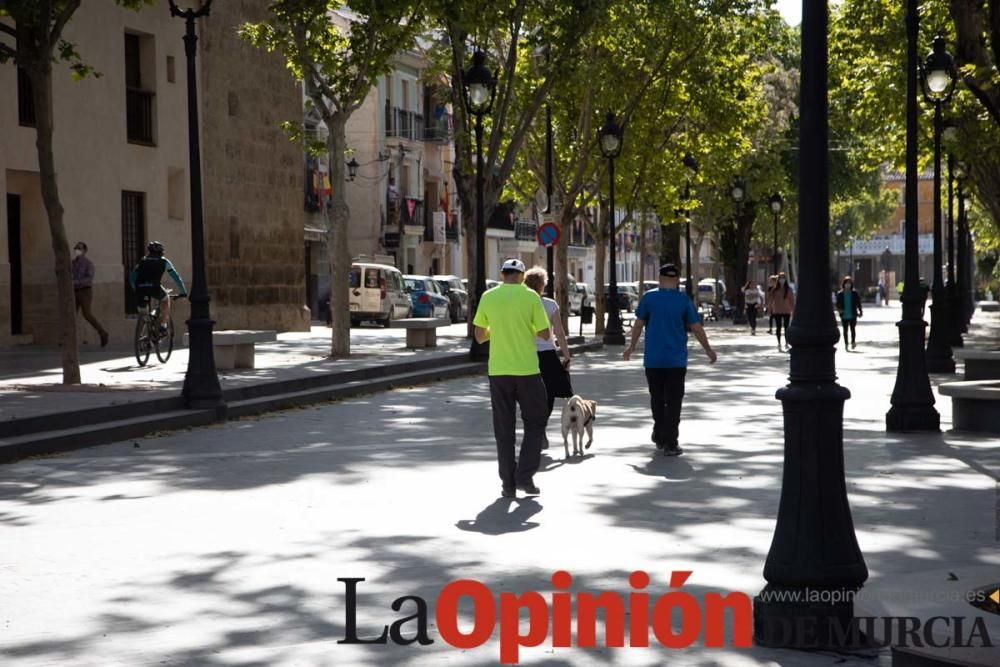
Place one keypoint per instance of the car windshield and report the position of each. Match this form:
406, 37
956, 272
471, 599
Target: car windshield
414, 284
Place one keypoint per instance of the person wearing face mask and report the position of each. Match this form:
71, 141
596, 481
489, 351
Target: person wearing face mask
782, 304
849, 307
83, 288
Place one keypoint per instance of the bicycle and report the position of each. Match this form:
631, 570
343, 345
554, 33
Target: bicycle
148, 335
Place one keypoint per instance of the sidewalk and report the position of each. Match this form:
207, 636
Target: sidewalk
222, 546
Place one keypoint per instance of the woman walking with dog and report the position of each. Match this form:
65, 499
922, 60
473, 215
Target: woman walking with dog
554, 372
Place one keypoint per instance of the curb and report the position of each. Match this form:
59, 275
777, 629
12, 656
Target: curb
63, 432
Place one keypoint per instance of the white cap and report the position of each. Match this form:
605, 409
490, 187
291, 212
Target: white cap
513, 265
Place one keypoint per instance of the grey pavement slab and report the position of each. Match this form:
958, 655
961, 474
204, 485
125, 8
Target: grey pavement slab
222, 545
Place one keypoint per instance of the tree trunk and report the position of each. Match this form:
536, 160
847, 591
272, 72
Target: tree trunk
696, 262
41, 83
336, 240
643, 229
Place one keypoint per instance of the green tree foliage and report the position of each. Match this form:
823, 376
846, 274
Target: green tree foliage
338, 50
31, 37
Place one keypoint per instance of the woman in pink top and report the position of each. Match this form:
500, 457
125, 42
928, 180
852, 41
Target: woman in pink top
781, 305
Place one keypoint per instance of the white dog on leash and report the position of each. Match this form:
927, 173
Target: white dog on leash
578, 415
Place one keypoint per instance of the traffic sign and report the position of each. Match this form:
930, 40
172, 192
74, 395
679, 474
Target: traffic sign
548, 234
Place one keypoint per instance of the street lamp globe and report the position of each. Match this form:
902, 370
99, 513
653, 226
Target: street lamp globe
776, 202
193, 8
939, 71
838, 230
610, 137
480, 85
691, 163
739, 190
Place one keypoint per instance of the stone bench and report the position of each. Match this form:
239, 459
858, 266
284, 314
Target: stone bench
988, 306
420, 331
975, 405
235, 349
980, 364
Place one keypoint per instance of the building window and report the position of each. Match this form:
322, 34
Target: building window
133, 240
25, 101
138, 95
171, 70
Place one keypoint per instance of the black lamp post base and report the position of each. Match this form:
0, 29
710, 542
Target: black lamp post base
201, 382
805, 625
479, 351
954, 308
939, 357
912, 418
940, 364
613, 337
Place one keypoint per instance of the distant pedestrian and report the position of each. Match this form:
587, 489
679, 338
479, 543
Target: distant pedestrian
83, 288
667, 315
772, 283
782, 305
554, 372
849, 307
753, 301
510, 316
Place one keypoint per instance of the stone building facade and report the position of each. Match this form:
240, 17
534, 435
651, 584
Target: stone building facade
252, 178
121, 152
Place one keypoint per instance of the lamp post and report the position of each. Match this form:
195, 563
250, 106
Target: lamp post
814, 548
610, 139
201, 381
954, 306
479, 85
969, 257
912, 399
776, 203
692, 166
938, 75
961, 252
352, 170
541, 55
738, 191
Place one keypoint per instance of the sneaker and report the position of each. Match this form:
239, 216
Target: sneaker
652, 436
779, 348
854, 346
674, 450
529, 488
104, 339
508, 492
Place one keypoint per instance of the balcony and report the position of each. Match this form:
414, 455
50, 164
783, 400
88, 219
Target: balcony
525, 238
404, 124
438, 130
139, 116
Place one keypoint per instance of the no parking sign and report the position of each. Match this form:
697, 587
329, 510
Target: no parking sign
548, 234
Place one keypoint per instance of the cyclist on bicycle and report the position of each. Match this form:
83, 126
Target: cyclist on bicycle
145, 279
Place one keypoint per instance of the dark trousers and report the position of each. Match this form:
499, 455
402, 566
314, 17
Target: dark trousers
84, 302
666, 393
770, 322
780, 319
506, 393
851, 325
752, 316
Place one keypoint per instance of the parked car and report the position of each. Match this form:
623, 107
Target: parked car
426, 297
628, 299
574, 296
452, 287
490, 284
377, 292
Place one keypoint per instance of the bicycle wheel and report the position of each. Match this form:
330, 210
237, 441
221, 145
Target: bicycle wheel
165, 343
143, 344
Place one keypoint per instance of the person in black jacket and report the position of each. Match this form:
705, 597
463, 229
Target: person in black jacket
849, 307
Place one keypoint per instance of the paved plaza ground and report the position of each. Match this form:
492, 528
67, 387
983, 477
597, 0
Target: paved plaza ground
222, 546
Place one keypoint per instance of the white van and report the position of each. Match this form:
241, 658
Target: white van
377, 292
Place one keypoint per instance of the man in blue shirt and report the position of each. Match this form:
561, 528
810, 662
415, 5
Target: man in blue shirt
667, 314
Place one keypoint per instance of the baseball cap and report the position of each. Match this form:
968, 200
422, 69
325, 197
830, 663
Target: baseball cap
669, 270
512, 265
